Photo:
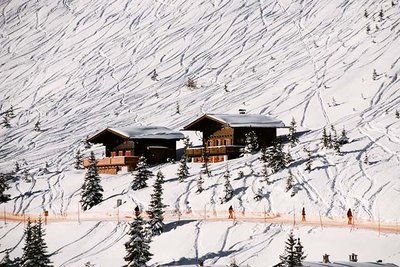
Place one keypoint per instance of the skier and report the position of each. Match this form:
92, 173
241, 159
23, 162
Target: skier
137, 211
188, 208
349, 217
230, 210
303, 215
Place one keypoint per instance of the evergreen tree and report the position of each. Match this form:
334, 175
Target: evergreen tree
155, 212
7, 262
91, 193
200, 182
183, 170
293, 140
365, 13
265, 174
186, 144
335, 142
138, 245
204, 168
368, 29
191, 83
259, 194
3, 187
324, 139
41, 258
343, 139
397, 114
87, 143
78, 160
142, 174
228, 189
299, 253
288, 258
6, 121
309, 160
251, 143
28, 251
17, 167
381, 14
374, 75
240, 174
290, 182
37, 126
275, 157
154, 75
366, 160
177, 108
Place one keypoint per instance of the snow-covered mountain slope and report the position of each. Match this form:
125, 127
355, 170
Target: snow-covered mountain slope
80, 66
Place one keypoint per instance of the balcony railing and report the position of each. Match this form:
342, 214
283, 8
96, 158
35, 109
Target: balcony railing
114, 161
214, 150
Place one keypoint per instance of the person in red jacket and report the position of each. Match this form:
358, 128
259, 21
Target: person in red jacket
230, 211
303, 215
349, 217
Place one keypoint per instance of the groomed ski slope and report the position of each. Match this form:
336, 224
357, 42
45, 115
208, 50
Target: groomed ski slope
81, 66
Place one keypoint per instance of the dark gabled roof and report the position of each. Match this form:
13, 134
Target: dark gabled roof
142, 132
240, 121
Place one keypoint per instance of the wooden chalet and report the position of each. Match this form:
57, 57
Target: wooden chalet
224, 134
124, 146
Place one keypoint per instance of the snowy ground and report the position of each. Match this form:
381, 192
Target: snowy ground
81, 66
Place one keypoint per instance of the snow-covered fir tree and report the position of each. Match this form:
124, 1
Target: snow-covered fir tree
78, 160
265, 174
343, 139
275, 157
366, 160
397, 114
155, 212
138, 245
154, 75
3, 187
299, 253
324, 138
86, 143
92, 191
37, 126
183, 170
288, 258
228, 189
200, 182
293, 140
178, 111
204, 167
186, 144
335, 141
17, 167
259, 194
374, 75
251, 143
289, 182
309, 160
142, 174
6, 122
35, 248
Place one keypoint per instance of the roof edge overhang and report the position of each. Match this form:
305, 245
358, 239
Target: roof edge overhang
191, 125
105, 131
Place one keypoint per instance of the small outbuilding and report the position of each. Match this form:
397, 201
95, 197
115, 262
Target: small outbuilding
124, 146
224, 134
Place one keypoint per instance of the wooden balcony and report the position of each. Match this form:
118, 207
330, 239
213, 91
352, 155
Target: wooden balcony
114, 161
214, 150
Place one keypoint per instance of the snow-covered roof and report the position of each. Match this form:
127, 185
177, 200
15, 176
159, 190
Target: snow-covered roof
143, 132
242, 120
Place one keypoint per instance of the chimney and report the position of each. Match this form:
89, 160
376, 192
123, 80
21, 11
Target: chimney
242, 111
325, 258
353, 257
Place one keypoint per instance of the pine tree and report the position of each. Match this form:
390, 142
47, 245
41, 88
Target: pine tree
259, 194
17, 167
78, 160
289, 182
87, 143
191, 84
3, 187
397, 114
324, 139
228, 189
138, 245
142, 174
288, 258
200, 182
265, 174
186, 144
28, 251
37, 126
155, 212
299, 253
381, 14
343, 139
368, 29
275, 157
154, 75
365, 13
204, 168
183, 170
91, 194
366, 160
309, 160
177, 108
335, 142
293, 140
251, 143
374, 75
41, 258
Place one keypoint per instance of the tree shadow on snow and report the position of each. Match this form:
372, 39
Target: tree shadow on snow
173, 225
194, 261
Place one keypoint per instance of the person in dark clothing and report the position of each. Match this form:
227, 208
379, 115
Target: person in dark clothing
230, 211
349, 217
137, 211
303, 215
